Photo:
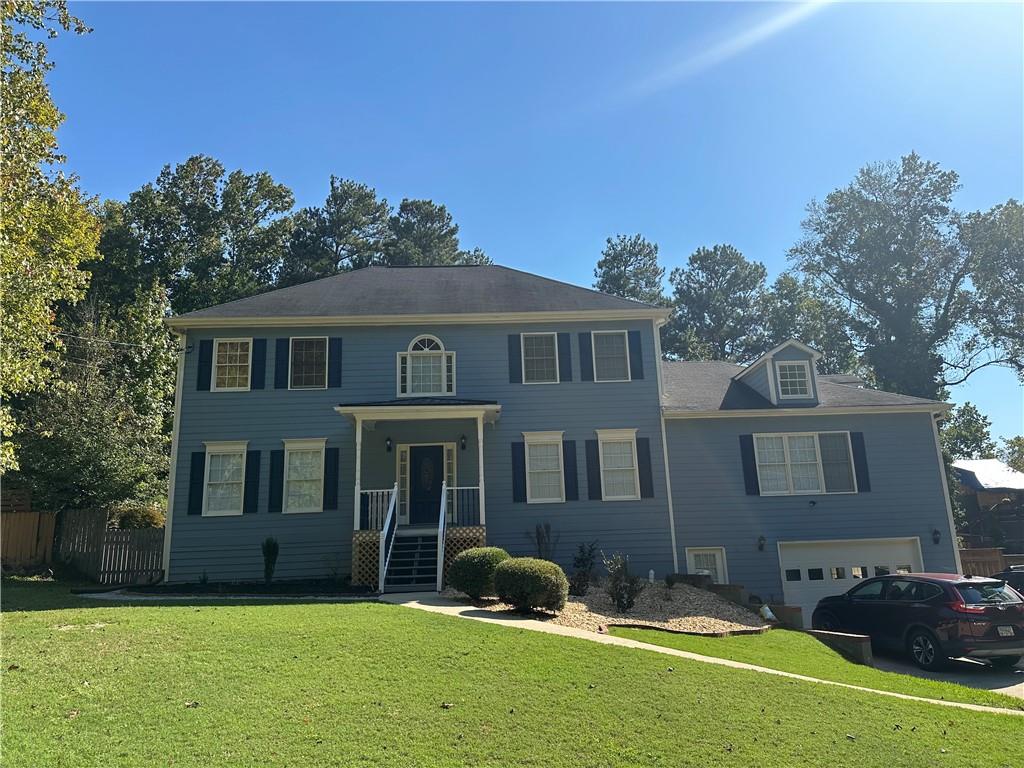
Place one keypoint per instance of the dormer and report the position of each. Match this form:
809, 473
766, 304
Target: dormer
785, 375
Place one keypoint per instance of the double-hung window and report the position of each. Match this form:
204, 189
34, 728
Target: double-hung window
617, 454
794, 379
611, 355
232, 359
426, 369
224, 484
304, 476
709, 560
308, 363
540, 358
545, 479
804, 462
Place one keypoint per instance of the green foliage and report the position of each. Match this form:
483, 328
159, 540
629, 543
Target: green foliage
270, 549
583, 568
472, 570
528, 582
423, 234
965, 434
629, 268
544, 540
133, 514
622, 586
1012, 452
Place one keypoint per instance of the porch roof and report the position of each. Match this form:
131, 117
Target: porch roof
421, 408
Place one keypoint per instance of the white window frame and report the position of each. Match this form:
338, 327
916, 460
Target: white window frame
522, 356
691, 568
327, 360
213, 368
593, 356
223, 447
545, 438
615, 436
446, 355
306, 444
807, 371
821, 466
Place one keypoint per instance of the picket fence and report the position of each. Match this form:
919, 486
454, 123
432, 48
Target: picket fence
108, 555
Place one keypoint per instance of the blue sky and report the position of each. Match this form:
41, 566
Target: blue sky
547, 128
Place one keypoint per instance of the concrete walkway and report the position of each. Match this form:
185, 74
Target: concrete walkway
431, 601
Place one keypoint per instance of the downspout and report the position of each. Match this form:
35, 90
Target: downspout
181, 339
664, 447
945, 491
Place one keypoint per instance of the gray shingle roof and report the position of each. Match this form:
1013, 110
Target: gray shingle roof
420, 291
710, 386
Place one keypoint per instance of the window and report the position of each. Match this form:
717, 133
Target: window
304, 475
545, 481
231, 362
881, 570
815, 574
858, 572
838, 573
804, 462
426, 369
794, 379
308, 363
710, 560
792, 574
617, 453
611, 355
870, 591
987, 593
540, 358
224, 485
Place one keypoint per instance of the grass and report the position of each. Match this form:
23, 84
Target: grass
371, 684
797, 652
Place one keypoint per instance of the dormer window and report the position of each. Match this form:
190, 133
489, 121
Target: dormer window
426, 369
794, 379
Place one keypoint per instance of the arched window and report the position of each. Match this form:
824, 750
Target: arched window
425, 368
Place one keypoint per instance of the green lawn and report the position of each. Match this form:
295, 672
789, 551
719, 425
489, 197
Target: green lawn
797, 652
371, 684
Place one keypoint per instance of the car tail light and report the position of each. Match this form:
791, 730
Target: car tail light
958, 605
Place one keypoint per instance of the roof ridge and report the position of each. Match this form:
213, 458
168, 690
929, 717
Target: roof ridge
573, 285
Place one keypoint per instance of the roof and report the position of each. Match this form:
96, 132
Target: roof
379, 292
419, 402
988, 475
809, 351
712, 386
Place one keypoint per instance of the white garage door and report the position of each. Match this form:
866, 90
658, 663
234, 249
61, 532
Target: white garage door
812, 570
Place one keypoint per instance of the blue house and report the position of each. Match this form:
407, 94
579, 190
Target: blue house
377, 422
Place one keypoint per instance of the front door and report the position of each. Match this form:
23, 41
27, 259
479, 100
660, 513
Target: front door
426, 473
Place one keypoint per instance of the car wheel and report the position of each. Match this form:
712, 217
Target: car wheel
825, 621
925, 650
1004, 662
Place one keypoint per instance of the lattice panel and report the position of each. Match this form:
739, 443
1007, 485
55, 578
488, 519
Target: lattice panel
459, 539
365, 558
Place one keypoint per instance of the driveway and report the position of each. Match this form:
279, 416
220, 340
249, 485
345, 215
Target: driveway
973, 674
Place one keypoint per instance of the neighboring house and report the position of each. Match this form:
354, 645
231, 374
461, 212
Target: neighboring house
992, 494
527, 401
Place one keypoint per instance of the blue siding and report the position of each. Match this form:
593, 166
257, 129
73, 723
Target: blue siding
757, 380
712, 509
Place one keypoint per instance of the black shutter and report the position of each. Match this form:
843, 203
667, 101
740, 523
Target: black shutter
643, 460
515, 359
860, 462
252, 483
586, 358
331, 456
564, 357
334, 362
518, 472
195, 483
636, 356
259, 364
593, 470
276, 482
204, 368
281, 364
572, 486
749, 465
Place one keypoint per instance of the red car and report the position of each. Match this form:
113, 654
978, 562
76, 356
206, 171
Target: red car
932, 616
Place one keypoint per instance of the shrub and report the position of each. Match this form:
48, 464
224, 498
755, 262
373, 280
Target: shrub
270, 550
583, 569
133, 514
701, 580
622, 587
528, 582
472, 570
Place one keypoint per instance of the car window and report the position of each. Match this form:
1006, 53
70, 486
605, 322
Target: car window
870, 591
987, 593
900, 589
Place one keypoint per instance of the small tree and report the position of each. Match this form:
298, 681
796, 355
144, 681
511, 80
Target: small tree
270, 549
622, 587
544, 540
583, 568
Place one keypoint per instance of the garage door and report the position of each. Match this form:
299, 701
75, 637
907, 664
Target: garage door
812, 570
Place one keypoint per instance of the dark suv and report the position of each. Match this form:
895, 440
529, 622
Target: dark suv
932, 616
1014, 576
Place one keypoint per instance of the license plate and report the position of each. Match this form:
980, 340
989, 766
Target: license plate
1005, 631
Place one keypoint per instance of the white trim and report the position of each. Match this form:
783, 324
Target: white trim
593, 356
816, 411
945, 494
806, 365
545, 438
408, 413
409, 353
773, 394
814, 354
618, 435
691, 568
306, 444
821, 465
181, 340
213, 367
851, 541
480, 460
522, 356
403, 509
327, 360
222, 447
664, 452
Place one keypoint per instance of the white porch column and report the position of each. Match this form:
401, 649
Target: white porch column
480, 454
359, 469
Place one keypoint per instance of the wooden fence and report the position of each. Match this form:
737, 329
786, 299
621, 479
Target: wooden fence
110, 556
983, 561
26, 539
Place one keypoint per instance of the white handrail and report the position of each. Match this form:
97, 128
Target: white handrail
442, 517
384, 558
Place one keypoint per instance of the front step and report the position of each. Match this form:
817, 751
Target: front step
413, 565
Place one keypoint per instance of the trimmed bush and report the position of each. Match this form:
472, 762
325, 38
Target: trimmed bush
472, 570
527, 583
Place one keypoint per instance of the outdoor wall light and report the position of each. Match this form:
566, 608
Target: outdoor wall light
936, 535
387, 444
761, 540
462, 442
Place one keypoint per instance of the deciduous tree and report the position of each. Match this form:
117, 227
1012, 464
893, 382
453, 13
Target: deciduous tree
965, 434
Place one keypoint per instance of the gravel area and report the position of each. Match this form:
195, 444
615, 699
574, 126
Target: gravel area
682, 608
